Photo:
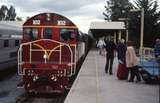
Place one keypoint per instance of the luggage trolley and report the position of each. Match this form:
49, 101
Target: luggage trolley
149, 67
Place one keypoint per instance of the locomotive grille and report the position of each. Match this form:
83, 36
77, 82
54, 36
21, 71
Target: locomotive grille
47, 55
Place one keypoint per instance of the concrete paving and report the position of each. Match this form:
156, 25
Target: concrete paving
94, 86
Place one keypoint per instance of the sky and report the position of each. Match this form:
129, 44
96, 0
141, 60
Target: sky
81, 12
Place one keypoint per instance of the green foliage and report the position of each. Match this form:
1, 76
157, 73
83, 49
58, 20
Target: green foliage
122, 9
7, 14
11, 14
19, 19
151, 24
3, 12
117, 9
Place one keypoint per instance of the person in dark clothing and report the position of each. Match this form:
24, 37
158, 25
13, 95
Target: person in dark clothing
121, 50
110, 48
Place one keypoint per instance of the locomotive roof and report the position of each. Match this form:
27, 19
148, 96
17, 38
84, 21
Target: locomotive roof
41, 19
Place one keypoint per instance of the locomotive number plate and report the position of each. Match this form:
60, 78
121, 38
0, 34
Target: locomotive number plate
61, 22
36, 22
54, 67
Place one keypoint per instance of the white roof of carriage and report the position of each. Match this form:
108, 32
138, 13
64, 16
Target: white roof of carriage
11, 25
107, 25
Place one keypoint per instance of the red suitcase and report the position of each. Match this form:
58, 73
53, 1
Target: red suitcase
122, 72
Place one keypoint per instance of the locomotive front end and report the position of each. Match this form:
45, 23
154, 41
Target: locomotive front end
47, 56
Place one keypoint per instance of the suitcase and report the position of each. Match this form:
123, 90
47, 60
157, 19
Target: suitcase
122, 72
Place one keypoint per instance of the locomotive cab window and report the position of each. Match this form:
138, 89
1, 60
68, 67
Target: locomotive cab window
67, 35
31, 33
47, 33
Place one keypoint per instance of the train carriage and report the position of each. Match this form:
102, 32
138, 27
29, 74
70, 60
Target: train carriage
48, 54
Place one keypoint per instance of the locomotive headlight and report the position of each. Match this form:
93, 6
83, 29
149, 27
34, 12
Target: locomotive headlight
54, 78
29, 73
45, 56
35, 78
48, 18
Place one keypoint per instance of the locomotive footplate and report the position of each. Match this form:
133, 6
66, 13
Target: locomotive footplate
45, 79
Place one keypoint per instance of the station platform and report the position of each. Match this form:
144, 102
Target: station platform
93, 85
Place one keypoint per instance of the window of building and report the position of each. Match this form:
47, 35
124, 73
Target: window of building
47, 33
6, 43
16, 42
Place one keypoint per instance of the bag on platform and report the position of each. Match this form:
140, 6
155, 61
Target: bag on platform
122, 72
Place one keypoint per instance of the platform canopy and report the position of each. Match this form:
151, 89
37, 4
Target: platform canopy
99, 29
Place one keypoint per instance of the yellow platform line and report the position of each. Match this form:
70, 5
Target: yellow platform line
97, 81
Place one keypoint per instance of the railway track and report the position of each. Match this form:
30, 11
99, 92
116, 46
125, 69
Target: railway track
41, 98
8, 72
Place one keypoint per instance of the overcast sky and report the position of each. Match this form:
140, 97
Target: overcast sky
81, 12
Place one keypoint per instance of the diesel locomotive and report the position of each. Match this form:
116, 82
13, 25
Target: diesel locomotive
50, 49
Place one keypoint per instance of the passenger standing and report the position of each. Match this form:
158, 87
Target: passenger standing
100, 45
122, 71
132, 62
110, 49
121, 50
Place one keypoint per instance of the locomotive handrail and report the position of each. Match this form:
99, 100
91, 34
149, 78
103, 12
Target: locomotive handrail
72, 61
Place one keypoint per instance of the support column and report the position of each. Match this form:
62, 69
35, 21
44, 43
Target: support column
114, 37
119, 35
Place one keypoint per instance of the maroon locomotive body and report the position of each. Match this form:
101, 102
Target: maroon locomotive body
48, 54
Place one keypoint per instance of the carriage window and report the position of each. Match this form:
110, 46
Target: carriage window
47, 33
16, 42
67, 34
31, 33
6, 43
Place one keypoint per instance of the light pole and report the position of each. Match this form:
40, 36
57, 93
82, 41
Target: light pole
142, 30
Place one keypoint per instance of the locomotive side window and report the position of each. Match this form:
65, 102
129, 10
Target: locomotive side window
31, 33
67, 34
47, 33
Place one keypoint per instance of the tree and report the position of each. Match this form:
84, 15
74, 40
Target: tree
11, 14
151, 24
8, 14
3, 12
117, 9
19, 19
